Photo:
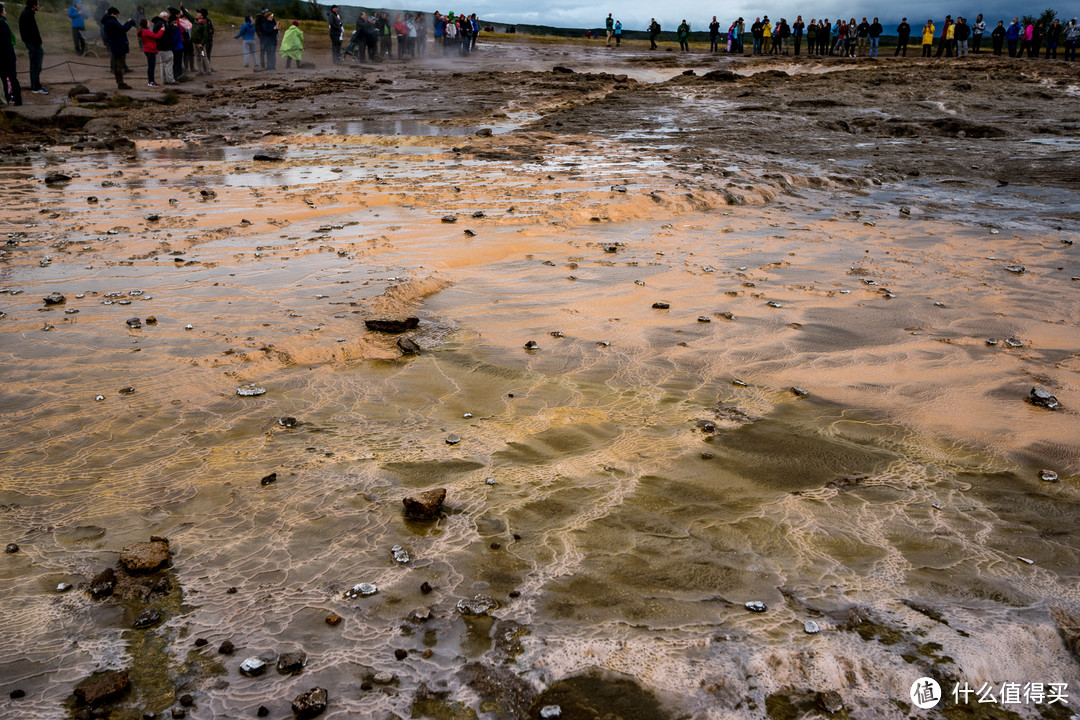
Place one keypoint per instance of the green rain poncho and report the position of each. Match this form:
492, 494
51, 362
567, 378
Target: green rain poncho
292, 45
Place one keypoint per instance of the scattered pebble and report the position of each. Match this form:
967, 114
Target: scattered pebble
400, 554
739, 383
773, 303
811, 627
991, 341
288, 422
361, 590
53, 298
704, 319
467, 416
1014, 342
449, 218
383, 678
188, 327
333, 619
1048, 476
550, 712
401, 654
756, 606
661, 306
452, 439
250, 390
252, 666
481, 604
1043, 398
800, 392
1025, 560
226, 647
63, 587
1018, 269
490, 481
11, 548
267, 479
133, 323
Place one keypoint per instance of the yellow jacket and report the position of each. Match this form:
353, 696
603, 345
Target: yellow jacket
766, 30
928, 34
950, 32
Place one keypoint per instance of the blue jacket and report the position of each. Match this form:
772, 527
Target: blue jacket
1013, 33
78, 17
247, 32
116, 34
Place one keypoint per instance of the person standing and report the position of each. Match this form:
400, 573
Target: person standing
1053, 38
116, 37
1012, 37
874, 33
783, 36
31, 37
1035, 41
683, 34
8, 74
797, 31
421, 34
148, 39
811, 37
609, 28
977, 31
78, 25
618, 32
246, 36
292, 44
945, 41
862, 35
385, 38
1026, 34
903, 33
474, 29
200, 38
714, 35
960, 36
268, 28
654, 32
824, 32
997, 37
1071, 33
928, 38
337, 34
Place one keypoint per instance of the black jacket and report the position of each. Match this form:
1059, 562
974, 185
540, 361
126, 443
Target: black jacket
28, 28
7, 49
903, 30
336, 28
116, 34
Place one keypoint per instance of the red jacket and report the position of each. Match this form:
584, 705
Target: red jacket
149, 39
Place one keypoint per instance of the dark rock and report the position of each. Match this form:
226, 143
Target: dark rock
514, 593
145, 556
800, 392
449, 218
287, 422
1048, 476
148, 617
707, 456
78, 90
562, 70
178, 712
263, 711
226, 648
292, 662
126, 390
133, 323
208, 193
310, 704
17, 694
661, 305
401, 654
266, 158
151, 320
56, 178
101, 687
408, 346
103, 584
704, 319
611, 248
333, 619
1043, 398
470, 233
481, 604
53, 298
425, 588
756, 606
253, 667
483, 132
830, 701
267, 479
186, 700
153, 217
231, 591
618, 188
452, 439
201, 642
392, 325
426, 505
11, 548
531, 345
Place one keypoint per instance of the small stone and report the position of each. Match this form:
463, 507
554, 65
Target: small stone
408, 346
707, 456
514, 593
54, 298
774, 304
467, 416
148, 617
189, 327
550, 712
661, 305
291, 662
17, 694
231, 591
263, 711
400, 554
265, 158
1014, 342
756, 606
800, 392
63, 587
618, 188
11, 548
426, 654
830, 701
811, 627
1043, 398
92, 200
426, 505
310, 704
103, 583
178, 712
1018, 269
490, 481
1048, 476
145, 556
452, 439
153, 217
151, 320
991, 342
250, 390
420, 615
208, 193
531, 345
704, 319
186, 700
449, 218
133, 323
201, 642
333, 619
739, 383
55, 178
383, 678
425, 588
267, 479
481, 604
392, 325
1025, 560
401, 654
226, 648
252, 667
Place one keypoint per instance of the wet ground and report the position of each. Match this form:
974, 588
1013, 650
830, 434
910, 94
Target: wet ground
854, 230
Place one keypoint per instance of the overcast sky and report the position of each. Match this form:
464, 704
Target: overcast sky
635, 14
